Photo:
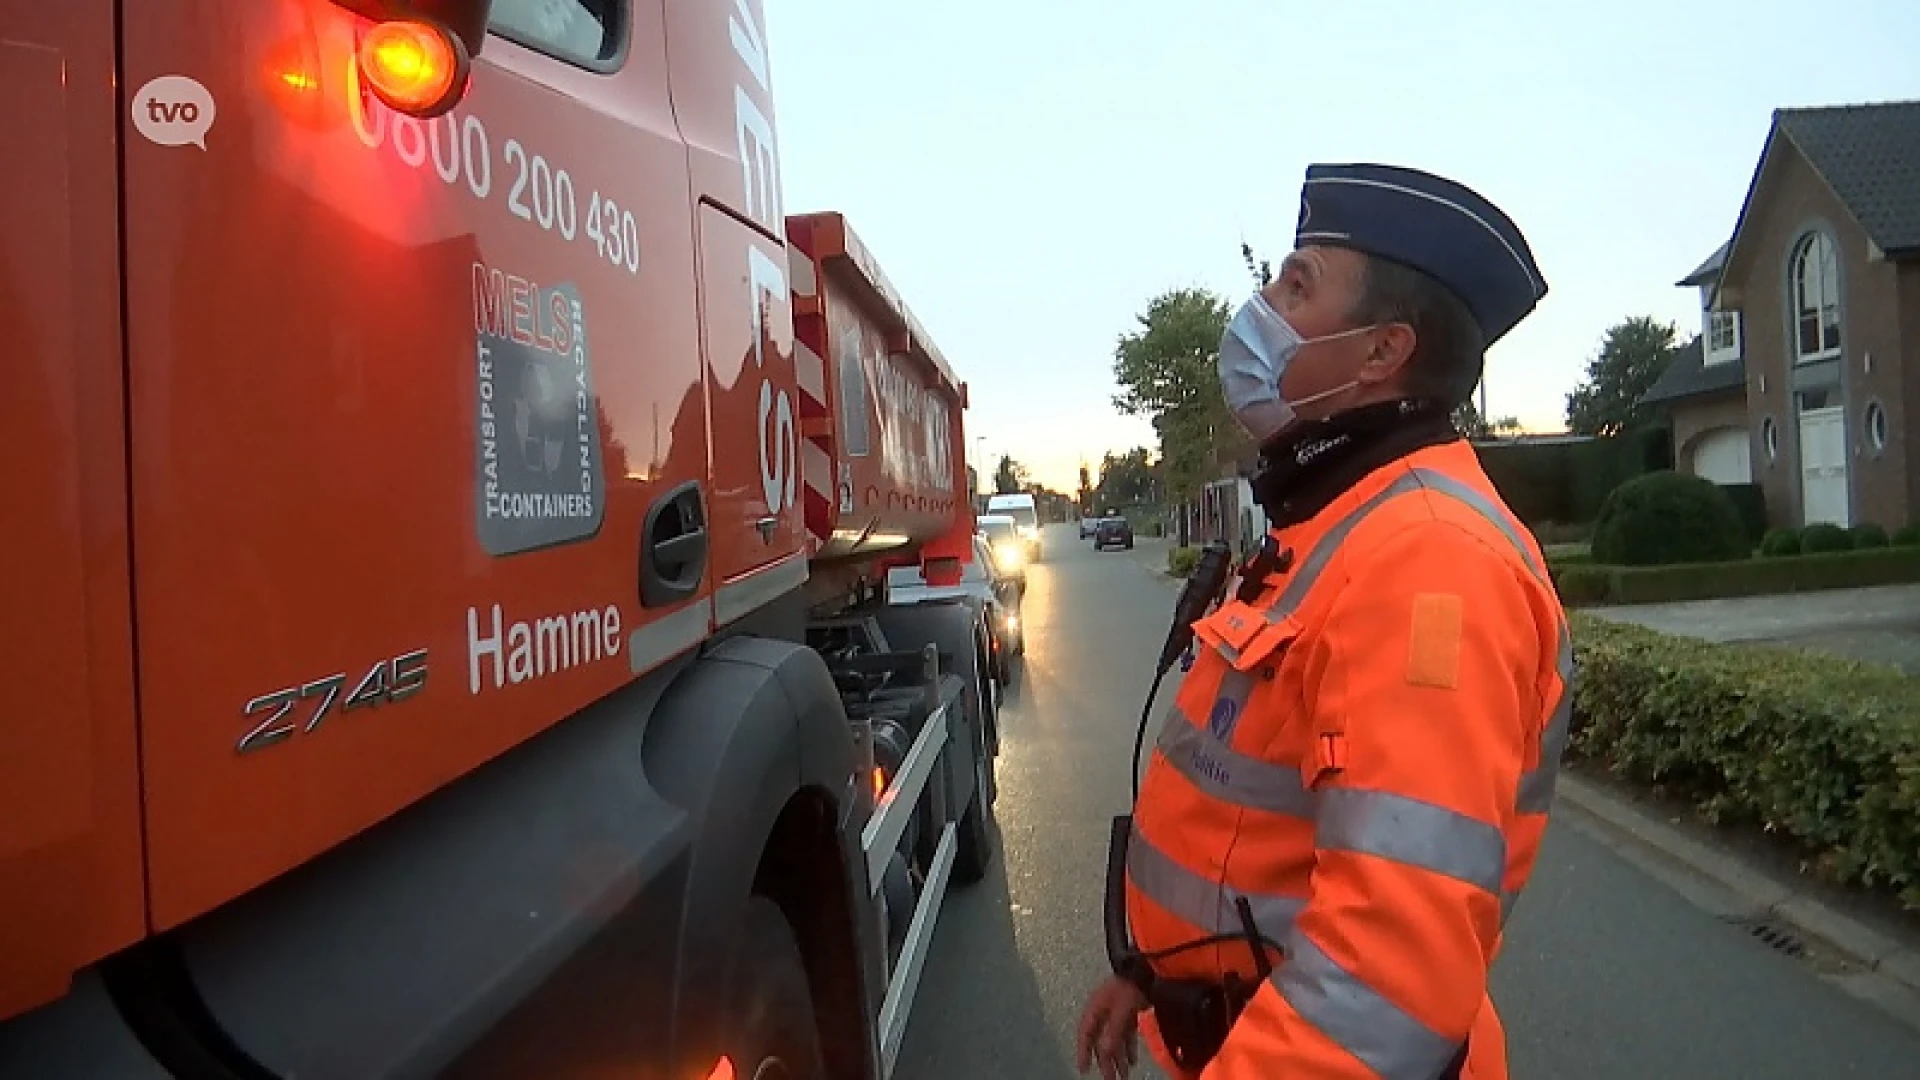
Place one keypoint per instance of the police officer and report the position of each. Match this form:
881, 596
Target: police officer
1351, 786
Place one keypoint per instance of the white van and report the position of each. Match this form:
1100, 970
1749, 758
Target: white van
1026, 518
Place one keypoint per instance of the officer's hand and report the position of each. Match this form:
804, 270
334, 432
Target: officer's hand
1109, 1028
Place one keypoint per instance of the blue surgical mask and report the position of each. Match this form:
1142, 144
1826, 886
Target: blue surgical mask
1254, 354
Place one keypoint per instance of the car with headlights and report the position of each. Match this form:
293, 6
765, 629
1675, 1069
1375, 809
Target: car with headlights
994, 594
1024, 510
1010, 551
1088, 525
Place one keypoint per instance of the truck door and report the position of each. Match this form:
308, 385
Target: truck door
70, 889
722, 96
403, 394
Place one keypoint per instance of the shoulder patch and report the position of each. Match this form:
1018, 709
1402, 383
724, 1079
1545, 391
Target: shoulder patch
1433, 641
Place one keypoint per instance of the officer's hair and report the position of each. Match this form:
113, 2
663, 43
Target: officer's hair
1449, 350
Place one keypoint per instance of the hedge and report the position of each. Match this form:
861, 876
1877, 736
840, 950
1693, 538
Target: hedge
1750, 502
1182, 560
1824, 750
1567, 481
1590, 583
1666, 517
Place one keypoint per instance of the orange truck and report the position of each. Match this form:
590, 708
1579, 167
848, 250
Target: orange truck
445, 627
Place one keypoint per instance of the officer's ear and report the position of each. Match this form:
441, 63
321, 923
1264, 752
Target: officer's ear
1389, 350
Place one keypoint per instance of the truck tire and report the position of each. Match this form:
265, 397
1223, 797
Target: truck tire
973, 852
991, 691
973, 833
953, 630
777, 1037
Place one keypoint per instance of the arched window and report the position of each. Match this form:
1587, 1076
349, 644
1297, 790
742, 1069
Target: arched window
1815, 280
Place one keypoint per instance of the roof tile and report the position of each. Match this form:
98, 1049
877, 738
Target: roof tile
1688, 376
1870, 155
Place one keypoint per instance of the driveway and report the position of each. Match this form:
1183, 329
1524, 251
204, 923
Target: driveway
1879, 625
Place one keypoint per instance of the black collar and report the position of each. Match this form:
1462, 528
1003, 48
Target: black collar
1304, 471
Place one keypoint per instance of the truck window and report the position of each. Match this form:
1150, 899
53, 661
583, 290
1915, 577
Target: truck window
587, 33
1023, 516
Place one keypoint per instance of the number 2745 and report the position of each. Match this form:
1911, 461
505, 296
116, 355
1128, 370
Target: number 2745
386, 682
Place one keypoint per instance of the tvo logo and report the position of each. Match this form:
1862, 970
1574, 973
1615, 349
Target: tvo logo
173, 110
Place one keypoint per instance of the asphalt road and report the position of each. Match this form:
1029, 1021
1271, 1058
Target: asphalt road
1607, 974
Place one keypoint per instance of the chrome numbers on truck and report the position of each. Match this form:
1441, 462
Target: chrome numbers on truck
303, 708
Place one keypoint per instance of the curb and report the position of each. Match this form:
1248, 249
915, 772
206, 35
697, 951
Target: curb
1153, 559
1763, 895
1158, 571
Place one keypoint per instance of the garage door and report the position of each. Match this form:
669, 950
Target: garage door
1723, 456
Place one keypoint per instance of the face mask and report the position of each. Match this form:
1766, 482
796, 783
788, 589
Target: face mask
1254, 354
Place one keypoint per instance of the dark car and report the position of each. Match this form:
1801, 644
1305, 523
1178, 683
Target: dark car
1113, 532
982, 585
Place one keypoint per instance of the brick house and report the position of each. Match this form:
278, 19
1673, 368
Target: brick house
1704, 391
1808, 365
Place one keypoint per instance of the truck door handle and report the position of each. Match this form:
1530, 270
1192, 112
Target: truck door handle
673, 547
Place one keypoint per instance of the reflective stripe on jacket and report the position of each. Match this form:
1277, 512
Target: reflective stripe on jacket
1366, 753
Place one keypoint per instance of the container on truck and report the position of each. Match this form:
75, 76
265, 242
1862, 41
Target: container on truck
447, 625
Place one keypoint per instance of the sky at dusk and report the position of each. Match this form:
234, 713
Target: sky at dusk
1031, 174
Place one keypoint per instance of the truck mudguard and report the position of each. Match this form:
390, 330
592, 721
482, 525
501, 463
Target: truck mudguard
573, 897
79, 1035
393, 954
754, 748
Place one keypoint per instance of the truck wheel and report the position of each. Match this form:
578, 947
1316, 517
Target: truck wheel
955, 631
776, 1038
973, 833
987, 674
973, 852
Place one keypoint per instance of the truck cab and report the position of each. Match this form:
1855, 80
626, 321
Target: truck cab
420, 552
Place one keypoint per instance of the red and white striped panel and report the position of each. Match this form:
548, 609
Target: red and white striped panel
816, 415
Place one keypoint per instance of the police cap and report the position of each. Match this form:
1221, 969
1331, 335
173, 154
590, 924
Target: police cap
1433, 225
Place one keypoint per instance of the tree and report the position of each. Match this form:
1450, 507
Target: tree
1633, 354
1467, 420
1261, 269
1125, 479
1050, 505
1167, 370
1010, 478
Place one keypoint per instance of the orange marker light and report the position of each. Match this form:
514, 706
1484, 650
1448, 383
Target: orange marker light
879, 783
416, 68
291, 80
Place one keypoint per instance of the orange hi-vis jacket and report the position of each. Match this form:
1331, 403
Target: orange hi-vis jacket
1367, 754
